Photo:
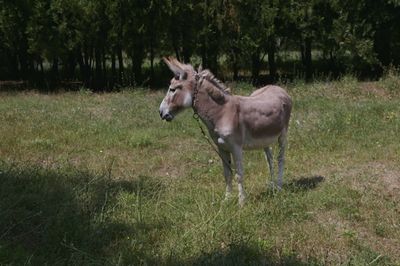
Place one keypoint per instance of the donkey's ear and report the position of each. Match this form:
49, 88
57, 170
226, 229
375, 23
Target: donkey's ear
183, 74
176, 69
176, 62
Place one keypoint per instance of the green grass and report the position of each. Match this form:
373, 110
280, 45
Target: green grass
99, 179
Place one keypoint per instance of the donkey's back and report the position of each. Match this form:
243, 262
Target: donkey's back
265, 116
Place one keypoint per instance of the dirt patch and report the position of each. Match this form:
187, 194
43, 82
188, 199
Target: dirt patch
390, 177
382, 245
380, 176
344, 229
377, 175
333, 220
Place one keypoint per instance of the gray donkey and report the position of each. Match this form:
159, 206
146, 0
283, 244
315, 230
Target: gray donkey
234, 122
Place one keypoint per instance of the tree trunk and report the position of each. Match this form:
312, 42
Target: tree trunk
235, 64
120, 66
187, 53
137, 71
333, 66
302, 54
204, 59
54, 73
308, 59
14, 73
186, 46
97, 82
176, 50
255, 67
41, 67
137, 60
175, 39
104, 68
271, 58
122, 22
113, 72
83, 67
151, 61
23, 65
88, 66
71, 66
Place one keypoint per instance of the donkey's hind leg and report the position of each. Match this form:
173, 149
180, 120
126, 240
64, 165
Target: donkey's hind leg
270, 159
281, 157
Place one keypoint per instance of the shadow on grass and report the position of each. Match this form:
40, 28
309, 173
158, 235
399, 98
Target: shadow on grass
304, 183
301, 184
246, 254
66, 216
71, 217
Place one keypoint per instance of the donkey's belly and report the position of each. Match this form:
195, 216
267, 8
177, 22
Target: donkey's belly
257, 143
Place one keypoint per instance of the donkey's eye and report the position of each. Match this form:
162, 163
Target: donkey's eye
173, 89
177, 77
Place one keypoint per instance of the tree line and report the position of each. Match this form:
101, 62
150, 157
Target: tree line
110, 43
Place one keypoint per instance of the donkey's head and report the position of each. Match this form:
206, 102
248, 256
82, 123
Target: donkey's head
180, 91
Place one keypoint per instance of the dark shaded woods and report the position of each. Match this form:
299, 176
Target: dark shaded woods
107, 44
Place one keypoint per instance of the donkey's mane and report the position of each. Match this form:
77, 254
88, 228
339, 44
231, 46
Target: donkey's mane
206, 74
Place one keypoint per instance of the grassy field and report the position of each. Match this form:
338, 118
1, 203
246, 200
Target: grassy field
99, 179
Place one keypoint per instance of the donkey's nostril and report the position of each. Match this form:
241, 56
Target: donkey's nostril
167, 117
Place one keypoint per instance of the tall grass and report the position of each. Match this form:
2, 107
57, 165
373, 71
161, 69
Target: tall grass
99, 179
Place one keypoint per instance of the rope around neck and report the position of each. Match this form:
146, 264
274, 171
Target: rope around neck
196, 117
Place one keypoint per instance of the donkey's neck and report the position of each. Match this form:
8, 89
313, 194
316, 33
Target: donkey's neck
208, 110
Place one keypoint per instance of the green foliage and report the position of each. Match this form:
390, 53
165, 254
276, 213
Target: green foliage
111, 43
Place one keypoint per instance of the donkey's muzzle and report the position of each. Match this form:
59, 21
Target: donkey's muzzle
167, 116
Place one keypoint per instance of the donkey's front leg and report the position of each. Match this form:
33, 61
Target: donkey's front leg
238, 157
226, 162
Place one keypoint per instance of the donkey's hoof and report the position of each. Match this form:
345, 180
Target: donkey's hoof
228, 196
274, 186
242, 200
